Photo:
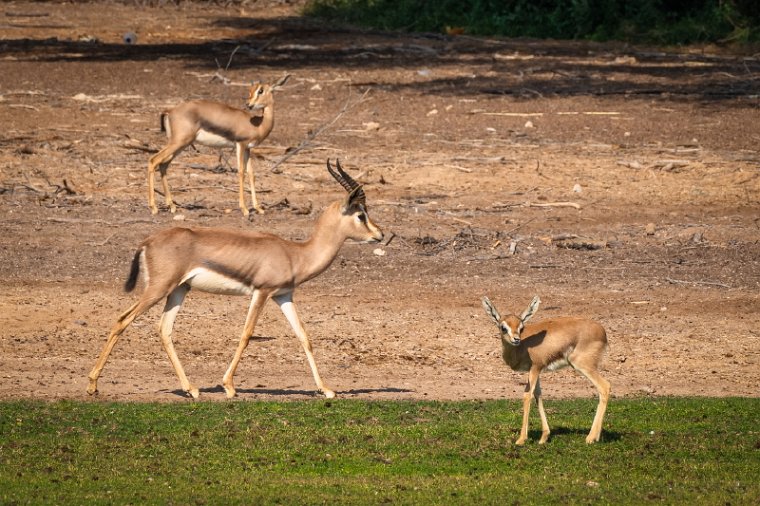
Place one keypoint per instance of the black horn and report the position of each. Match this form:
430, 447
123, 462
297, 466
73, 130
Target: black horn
346, 181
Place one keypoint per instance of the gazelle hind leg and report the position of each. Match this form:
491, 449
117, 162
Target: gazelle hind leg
125, 319
161, 160
151, 186
285, 302
603, 387
258, 301
165, 185
165, 326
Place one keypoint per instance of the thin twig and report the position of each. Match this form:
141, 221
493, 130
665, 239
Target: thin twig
229, 62
102, 243
305, 143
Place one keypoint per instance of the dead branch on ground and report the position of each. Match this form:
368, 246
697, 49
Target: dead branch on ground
574, 205
705, 283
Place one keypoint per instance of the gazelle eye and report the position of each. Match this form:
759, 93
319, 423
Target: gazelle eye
504, 328
362, 217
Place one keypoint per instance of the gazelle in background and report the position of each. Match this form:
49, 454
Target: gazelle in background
550, 345
240, 262
217, 125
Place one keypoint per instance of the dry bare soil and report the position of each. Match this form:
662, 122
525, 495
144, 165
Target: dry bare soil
466, 146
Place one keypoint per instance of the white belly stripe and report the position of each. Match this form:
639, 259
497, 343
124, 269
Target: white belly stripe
215, 141
206, 280
210, 139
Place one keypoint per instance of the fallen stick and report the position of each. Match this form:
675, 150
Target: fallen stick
24, 106
460, 220
102, 243
461, 169
631, 165
554, 204
670, 164
515, 114
138, 146
534, 204
707, 283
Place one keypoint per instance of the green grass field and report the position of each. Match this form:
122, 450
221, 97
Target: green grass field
673, 450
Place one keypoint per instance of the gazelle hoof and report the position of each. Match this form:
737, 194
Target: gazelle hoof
329, 394
92, 389
194, 393
520, 442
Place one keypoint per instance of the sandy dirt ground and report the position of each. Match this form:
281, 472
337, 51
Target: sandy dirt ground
467, 148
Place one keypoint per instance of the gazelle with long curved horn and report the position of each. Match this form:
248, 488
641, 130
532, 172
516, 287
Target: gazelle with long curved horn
239, 262
218, 125
550, 345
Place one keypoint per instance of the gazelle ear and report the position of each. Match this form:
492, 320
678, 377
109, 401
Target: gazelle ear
491, 310
281, 82
531, 310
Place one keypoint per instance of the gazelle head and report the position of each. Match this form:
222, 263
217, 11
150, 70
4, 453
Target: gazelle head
511, 327
359, 226
260, 95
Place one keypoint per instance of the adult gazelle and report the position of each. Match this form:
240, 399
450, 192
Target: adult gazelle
217, 125
237, 262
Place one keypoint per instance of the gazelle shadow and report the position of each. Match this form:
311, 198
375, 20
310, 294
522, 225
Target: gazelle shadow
606, 437
285, 392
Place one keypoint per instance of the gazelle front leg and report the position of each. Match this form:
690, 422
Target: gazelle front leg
242, 155
259, 299
544, 422
527, 398
252, 182
285, 301
167, 193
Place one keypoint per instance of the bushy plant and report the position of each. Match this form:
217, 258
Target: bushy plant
658, 21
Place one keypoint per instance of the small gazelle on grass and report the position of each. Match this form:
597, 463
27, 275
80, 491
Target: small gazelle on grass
240, 262
217, 125
550, 345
